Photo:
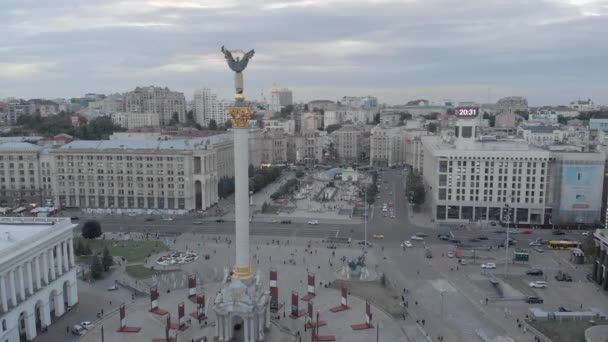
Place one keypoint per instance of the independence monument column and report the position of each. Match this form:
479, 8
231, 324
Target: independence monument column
240, 114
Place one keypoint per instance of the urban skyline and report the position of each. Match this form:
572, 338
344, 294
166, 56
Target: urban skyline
393, 52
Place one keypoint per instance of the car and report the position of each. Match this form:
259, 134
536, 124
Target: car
534, 300
450, 254
538, 249
167, 218
527, 231
74, 218
454, 241
493, 223
428, 253
362, 243
488, 265
272, 221
538, 284
558, 232
422, 235
378, 236
563, 309
198, 221
535, 244
563, 276
462, 261
390, 193
78, 330
484, 238
286, 222
220, 220
113, 288
585, 233
407, 244
384, 209
87, 325
393, 216
500, 244
535, 272
149, 219
313, 222
443, 237
131, 214
416, 238
474, 239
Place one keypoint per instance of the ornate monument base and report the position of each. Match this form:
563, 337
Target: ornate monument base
242, 303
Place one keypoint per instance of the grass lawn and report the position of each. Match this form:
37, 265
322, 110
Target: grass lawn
565, 331
133, 251
139, 272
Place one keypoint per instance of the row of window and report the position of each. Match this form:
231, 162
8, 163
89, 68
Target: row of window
121, 178
92, 185
136, 158
12, 165
122, 192
120, 171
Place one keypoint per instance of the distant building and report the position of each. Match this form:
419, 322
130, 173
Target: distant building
106, 106
16, 109
311, 122
287, 126
599, 123
161, 101
583, 105
321, 105
20, 181
308, 147
207, 107
359, 102
274, 147
393, 146
348, 142
280, 98
511, 104
136, 120
505, 120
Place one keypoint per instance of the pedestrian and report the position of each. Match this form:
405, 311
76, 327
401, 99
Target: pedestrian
423, 322
416, 303
67, 329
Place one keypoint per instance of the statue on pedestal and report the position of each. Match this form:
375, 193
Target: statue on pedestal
238, 65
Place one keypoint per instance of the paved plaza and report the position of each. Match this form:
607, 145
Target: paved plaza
292, 258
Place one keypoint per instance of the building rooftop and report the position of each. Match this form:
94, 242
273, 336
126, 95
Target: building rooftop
18, 146
137, 144
540, 128
12, 234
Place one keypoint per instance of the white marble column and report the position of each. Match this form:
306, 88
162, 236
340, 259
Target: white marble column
3, 299
45, 313
30, 282
246, 326
267, 320
12, 286
58, 259
64, 249
52, 263
217, 327
71, 245
226, 335
45, 267
21, 282
252, 329
241, 196
261, 326
30, 326
37, 272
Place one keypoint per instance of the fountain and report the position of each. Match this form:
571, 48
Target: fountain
355, 269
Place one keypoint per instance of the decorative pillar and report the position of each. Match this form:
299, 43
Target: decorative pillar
64, 250
3, 299
261, 326
267, 320
45, 267
52, 263
45, 313
58, 259
30, 282
226, 326
12, 286
240, 124
252, 333
30, 325
217, 327
71, 247
21, 282
59, 305
37, 274
246, 325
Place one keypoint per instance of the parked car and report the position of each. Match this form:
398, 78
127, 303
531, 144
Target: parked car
286, 222
534, 300
113, 288
423, 235
527, 231
443, 237
455, 241
450, 254
535, 244
272, 221
416, 238
149, 219
488, 265
220, 220
313, 222
538, 284
428, 253
407, 244
585, 233
378, 236
78, 330
74, 218
558, 232
87, 325
474, 239
539, 249
482, 238
535, 272
563, 309
462, 261
362, 243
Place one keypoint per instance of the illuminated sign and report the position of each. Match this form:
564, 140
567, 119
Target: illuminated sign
470, 112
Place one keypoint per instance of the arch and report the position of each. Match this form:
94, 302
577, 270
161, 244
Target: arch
69, 293
26, 326
198, 198
42, 315
56, 305
237, 329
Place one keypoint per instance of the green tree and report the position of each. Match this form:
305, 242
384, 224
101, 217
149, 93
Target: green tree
213, 125
562, 120
106, 259
86, 249
372, 191
491, 119
265, 207
377, 118
523, 113
432, 127
415, 190
332, 128
96, 267
228, 124
79, 249
174, 119
299, 173
190, 120
91, 229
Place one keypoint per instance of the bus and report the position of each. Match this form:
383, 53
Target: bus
563, 244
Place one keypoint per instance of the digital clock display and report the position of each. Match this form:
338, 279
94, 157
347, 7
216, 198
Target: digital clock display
467, 111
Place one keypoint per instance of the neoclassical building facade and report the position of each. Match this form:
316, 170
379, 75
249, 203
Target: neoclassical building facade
37, 274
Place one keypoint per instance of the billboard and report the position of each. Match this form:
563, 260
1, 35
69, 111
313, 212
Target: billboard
582, 187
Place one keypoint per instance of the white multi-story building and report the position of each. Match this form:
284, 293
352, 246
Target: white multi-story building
279, 98
311, 122
308, 147
480, 178
287, 126
392, 146
165, 174
20, 174
583, 105
37, 274
136, 120
361, 102
207, 107
274, 147
158, 100
348, 141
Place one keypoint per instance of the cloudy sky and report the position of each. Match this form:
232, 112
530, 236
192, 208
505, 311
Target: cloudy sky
551, 51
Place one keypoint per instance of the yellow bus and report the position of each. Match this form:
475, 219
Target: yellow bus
563, 244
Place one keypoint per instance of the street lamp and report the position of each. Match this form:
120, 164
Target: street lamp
442, 293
